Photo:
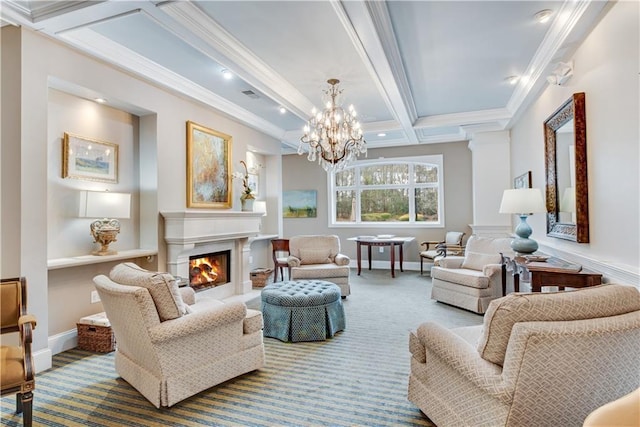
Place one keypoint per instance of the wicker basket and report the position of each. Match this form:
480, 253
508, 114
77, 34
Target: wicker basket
260, 276
95, 334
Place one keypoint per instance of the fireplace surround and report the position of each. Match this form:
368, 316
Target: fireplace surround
197, 232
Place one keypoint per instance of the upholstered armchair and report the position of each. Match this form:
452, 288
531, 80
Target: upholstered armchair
540, 359
472, 281
319, 257
451, 245
172, 344
17, 371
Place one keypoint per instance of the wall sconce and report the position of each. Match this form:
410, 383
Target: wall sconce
562, 73
107, 206
523, 202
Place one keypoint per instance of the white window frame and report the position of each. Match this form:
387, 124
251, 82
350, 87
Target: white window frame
436, 160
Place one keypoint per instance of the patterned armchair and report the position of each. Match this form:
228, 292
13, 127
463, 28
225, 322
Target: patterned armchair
319, 257
472, 281
540, 359
170, 344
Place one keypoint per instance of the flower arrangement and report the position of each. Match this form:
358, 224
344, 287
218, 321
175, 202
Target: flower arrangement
246, 192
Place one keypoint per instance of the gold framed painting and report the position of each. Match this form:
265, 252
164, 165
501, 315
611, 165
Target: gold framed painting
89, 159
208, 167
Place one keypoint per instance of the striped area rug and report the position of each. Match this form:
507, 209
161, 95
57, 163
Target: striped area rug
358, 378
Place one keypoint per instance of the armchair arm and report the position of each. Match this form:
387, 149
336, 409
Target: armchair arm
198, 321
342, 259
490, 270
464, 359
451, 262
293, 261
188, 295
428, 243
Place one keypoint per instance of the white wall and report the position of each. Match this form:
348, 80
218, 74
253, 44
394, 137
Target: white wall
32, 61
606, 69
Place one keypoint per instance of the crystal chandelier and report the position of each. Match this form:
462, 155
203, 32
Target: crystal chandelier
334, 135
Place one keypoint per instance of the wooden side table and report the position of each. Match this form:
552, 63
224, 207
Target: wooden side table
553, 272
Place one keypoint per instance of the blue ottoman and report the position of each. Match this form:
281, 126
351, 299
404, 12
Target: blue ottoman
302, 310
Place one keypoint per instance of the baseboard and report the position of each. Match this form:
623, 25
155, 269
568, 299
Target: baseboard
385, 265
42, 360
63, 341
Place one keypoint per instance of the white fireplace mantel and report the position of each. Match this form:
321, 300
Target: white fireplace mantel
188, 232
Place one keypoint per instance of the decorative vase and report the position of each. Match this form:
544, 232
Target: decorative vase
247, 204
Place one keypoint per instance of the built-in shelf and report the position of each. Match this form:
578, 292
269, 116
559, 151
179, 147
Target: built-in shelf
262, 237
76, 261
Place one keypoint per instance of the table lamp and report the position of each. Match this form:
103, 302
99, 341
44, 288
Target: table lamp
523, 202
107, 206
260, 206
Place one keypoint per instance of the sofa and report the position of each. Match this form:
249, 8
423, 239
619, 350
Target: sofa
318, 257
472, 281
170, 344
538, 359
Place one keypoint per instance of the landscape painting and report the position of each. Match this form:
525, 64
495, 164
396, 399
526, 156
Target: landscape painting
89, 159
300, 204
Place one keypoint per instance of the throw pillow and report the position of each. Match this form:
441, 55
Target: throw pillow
477, 261
162, 287
315, 256
587, 303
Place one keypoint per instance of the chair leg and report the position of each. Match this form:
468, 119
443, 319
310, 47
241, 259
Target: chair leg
24, 406
275, 274
421, 260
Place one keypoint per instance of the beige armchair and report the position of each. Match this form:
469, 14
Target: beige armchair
540, 359
319, 257
472, 281
171, 344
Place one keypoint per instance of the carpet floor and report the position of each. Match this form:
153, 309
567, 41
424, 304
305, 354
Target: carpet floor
357, 378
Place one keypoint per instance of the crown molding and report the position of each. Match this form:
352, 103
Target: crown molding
102, 47
236, 56
462, 119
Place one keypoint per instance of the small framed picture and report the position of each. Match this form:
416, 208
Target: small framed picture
522, 181
89, 159
254, 183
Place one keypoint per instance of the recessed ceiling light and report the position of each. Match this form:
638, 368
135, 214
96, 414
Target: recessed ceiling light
381, 134
282, 110
227, 74
543, 16
513, 79
100, 100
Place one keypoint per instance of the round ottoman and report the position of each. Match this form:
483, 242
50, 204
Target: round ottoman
302, 310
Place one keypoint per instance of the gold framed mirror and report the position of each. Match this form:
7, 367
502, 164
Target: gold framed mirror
565, 139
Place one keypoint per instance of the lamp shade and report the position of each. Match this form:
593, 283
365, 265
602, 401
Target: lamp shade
522, 201
104, 204
260, 206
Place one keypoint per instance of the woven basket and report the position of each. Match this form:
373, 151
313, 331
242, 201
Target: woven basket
96, 338
260, 276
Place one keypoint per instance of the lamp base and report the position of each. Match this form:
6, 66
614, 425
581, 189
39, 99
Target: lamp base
524, 246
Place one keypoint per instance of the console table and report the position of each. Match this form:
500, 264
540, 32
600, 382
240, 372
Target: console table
552, 272
370, 241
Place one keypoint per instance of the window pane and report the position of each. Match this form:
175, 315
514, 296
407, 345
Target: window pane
385, 174
426, 173
384, 205
427, 204
345, 206
346, 177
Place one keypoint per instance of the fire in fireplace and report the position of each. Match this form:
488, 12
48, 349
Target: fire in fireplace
209, 270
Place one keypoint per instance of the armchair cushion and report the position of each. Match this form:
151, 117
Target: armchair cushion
587, 303
465, 277
162, 287
477, 261
315, 256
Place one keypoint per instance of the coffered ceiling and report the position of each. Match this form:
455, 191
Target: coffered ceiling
417, 71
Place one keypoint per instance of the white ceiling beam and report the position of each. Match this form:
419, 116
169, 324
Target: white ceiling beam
226, 49
106, 49
462, 119
368, 25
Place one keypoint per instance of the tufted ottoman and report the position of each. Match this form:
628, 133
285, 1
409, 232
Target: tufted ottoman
302, 310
